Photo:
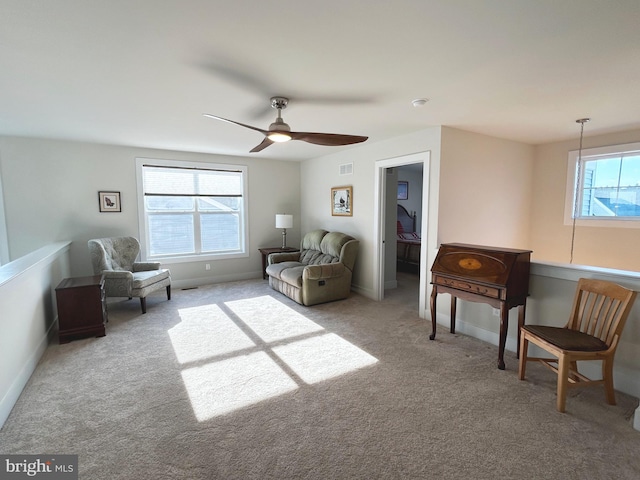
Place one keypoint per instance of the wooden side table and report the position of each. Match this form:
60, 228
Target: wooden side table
82, 308
268, 251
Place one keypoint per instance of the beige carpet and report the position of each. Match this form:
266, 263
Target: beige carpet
234, 381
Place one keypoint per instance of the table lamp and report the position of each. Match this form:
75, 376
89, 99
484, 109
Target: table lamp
284, 221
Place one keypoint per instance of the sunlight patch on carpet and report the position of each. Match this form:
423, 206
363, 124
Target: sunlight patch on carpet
206, 332
247, 351
321, 358
272, 320
221, 387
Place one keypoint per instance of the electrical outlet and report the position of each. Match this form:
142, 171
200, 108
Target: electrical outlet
207, 266
496, 312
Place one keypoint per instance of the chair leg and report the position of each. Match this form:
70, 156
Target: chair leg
607, 375
524, 346
143, 304
563, 380
168, 292
573, 370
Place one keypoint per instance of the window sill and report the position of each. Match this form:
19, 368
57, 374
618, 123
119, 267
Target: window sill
604, 223
197, 258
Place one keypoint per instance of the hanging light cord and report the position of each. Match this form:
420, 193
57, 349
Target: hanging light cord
576, 206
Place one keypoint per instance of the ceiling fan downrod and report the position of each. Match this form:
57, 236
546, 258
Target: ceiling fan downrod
279, 127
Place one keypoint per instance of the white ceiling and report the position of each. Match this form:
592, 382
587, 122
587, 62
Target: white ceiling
142, 72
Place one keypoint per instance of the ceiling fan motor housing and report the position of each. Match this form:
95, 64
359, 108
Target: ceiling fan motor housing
279, 125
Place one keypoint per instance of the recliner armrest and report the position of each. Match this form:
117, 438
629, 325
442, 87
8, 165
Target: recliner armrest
283, 257
145, 266
323, 271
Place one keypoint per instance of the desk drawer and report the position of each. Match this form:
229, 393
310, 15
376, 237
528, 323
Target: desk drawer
468, 287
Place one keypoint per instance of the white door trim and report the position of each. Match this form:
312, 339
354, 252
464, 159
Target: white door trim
379, 221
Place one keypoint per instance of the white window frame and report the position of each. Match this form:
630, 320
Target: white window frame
572, 164
142, 217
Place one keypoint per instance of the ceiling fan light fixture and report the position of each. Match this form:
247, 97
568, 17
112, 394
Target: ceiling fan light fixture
279, 137
278, 130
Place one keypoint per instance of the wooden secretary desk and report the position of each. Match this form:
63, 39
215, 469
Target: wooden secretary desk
493, 275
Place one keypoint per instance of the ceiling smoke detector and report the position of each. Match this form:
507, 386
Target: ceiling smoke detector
419, 102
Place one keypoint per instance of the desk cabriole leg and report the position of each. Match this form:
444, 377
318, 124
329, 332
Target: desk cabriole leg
521, 310
504, 325
452, 329
434, 292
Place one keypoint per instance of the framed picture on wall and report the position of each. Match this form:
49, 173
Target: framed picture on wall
403, 190
342, 201
109, 201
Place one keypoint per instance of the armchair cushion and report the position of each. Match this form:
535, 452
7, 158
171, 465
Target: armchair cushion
320, 272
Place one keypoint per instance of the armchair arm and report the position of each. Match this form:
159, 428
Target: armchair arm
145, 266
117, 275
324, 271
284, 257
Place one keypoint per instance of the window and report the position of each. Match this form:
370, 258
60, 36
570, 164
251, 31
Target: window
191, 210
607, 181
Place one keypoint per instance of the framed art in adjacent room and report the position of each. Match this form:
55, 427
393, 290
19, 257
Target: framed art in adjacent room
403, 190
109, 201
342, 201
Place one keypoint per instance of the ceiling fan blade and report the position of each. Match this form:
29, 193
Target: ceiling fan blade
265, 143
328, 139
264, 132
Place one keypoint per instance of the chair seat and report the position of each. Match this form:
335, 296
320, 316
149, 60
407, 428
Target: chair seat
567, 339
144, 279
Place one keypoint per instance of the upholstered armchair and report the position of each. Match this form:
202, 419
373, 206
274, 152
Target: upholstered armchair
320, 272
114, 258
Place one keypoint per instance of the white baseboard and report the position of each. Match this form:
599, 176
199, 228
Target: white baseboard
476, 332
625, 379
20, 381
365, 292
199, 282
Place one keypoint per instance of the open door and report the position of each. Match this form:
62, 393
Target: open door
386, 229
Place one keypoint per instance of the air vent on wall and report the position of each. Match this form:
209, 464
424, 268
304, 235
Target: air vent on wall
346, 169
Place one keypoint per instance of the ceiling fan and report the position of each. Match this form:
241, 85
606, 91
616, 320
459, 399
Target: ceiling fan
279, 131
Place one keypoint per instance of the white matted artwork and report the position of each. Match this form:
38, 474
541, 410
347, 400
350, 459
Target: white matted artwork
342, 201
109, 201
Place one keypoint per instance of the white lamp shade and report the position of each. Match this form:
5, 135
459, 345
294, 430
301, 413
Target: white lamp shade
284, 221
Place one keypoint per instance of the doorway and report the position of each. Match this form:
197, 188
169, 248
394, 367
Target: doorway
387, 175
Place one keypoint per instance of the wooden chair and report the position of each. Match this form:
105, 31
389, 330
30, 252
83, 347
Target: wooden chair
600, 309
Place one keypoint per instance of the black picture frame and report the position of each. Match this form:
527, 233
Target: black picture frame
109, 201
403, 190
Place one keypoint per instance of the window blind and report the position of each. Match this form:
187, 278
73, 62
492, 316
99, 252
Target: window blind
191, 182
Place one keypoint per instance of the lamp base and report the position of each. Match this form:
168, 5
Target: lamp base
284, 238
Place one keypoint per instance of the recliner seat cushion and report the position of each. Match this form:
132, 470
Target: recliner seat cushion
293, 276
289, 272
